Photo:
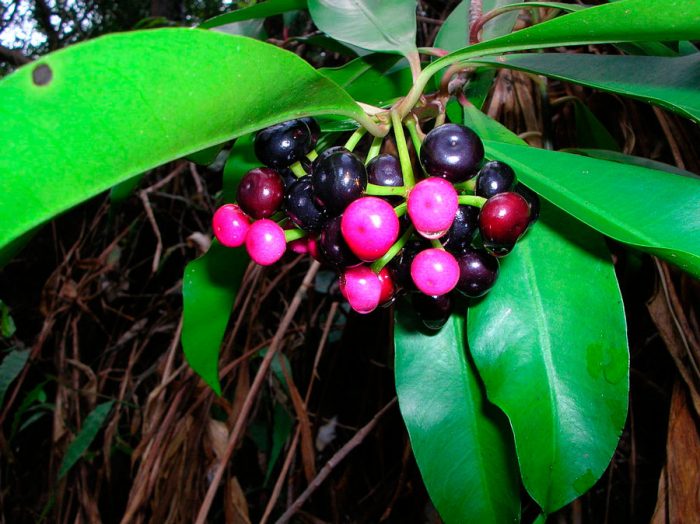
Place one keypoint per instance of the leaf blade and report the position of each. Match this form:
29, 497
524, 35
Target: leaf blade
79, 445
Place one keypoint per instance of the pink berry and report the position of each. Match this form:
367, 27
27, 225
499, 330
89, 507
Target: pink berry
435, 272
362, 288
432, 205
388, 288
265, 242
299, 246
230, 225
370, 227
312, 244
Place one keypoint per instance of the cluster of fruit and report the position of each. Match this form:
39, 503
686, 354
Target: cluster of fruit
379, 229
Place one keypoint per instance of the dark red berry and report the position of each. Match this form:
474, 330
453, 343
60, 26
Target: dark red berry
532, 199
388, 293
477, 272
460, 235
332, 245
283, 144
493, 178
260, 192
453, 152
503, 219
433, 311
301, 207
337, 180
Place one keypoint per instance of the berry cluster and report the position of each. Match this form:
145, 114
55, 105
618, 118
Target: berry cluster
382, 232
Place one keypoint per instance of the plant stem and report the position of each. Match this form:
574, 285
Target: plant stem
294, 234
467, 185
375, 190
298, 169
436, 243
355, 138
412, 126
379, 264
312, 155
471, 200
406, 168
374, 149
401, 209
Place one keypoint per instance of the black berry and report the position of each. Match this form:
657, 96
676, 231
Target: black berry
532, 199
385, 170
477, 272
301, 207
453, 152
283, 144
260, 192
333, 247
314, 130
338, 179
433, 311
493, 178
461, 233
400, 265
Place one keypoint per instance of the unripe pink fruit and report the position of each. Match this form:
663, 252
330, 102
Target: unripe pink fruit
362, 288
370, 227
435, 272
432, 205
265, 242
388, 288
230, 225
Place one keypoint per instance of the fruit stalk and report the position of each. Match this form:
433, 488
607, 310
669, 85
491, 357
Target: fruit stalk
404, 158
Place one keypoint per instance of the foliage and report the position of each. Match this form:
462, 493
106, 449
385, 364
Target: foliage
97, 114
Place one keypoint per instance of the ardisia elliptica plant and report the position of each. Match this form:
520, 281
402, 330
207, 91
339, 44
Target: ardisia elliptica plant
521, 375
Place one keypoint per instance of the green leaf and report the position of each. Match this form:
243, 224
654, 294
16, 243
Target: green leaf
209, 289
7, 323
454, 32
119, 105
11, 366
624, 21
121, 192
367, 79
651, 210
377, 25
282, 424
549, 341
674, 86
91, 426
261, 10
616, 156
462, 443
590, 132
489, 129
205, 156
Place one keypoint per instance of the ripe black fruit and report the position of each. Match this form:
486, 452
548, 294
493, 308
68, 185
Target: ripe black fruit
493, 178
283, 144
433, 311
333, 247
314, 130
260, 192
301, 207
453, 152
477, 272
338, 179
400, 265
385, 170
463, 229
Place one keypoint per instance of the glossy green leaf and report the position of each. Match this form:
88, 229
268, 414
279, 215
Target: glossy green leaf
462, 443
377, 25
624, 21
368, 79
209, 289
10, 367
454, 32
489, 129
616, 156
590, 132
651, 210
205, 156
549, 341
670, 82
91, 426
122, 104
257, 11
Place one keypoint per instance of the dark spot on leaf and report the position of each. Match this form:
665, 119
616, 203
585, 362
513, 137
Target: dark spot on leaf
42, 75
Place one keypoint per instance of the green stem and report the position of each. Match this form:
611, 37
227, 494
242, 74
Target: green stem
312, 155
436, 244
467, 185
375, 190
294, 234
471, 200
298, 169
413, 131
355, 138
374, 149
401, 209
406, 168
379, 264
369, 123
